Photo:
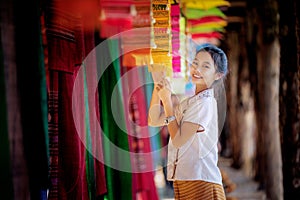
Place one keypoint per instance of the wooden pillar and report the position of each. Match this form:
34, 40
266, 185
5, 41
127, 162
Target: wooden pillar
240, 115
233, 61
268, 57
245, 109
290, 96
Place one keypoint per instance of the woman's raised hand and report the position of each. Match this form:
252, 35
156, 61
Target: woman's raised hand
158, 76
164, 90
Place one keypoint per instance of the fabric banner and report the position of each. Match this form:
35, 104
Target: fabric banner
213, 34
94, 158
205, 29
192, 13
208, 19
135, 44
205, 4
115, 17
175, 16
161, 49
27, 114
138, 134
118, 182
74, 173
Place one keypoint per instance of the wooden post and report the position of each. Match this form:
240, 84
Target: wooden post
290, 96
268, 54
233, 61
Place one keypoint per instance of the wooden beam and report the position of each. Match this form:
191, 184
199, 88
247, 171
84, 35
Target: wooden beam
235, 19
238, 4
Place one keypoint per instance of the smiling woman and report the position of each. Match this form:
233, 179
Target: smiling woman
193, 128
203, 71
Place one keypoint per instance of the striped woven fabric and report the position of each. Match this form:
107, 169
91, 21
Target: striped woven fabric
198, 190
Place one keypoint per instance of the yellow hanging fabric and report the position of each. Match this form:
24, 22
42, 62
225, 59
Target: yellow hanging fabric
136, 45
205, 20
161, 43
205, 4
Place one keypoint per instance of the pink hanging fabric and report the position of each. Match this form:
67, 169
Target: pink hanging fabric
206, 19
93, 104
217, 35
143, 186
175, 16
114, 26
115, 17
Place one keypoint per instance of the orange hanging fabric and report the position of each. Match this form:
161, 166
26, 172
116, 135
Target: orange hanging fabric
136, 42
161, 47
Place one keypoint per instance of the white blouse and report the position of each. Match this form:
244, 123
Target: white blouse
197, 159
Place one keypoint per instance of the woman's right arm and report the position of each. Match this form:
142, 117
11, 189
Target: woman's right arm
156, 113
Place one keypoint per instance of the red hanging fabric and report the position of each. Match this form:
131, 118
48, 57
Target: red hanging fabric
115, 17
217, 35
138, 136
69, 38
206, 19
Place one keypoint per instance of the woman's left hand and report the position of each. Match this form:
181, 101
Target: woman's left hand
164, 89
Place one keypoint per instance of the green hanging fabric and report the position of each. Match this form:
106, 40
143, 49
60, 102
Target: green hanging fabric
6, 189
118, 182
193, 13
32, 80
203, 29
43, 92
43, 113
89, 159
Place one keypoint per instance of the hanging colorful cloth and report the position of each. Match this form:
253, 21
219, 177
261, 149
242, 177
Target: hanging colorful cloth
74, 173
135, 43
183, 43
175, 17
115, 17
26, 114
206, 21
94, 152
138, 135
205, 4
161, 43
67, 157
195, 13
119, 181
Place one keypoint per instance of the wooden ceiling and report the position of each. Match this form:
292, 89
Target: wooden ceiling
236, 13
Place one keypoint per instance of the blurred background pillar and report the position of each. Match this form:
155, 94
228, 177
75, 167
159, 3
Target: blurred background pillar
290, 96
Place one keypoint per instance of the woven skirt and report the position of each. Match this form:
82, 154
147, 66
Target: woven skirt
198, 190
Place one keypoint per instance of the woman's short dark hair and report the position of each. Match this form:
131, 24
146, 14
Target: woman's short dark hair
218, 56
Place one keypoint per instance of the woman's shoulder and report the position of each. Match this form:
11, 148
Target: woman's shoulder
201, 100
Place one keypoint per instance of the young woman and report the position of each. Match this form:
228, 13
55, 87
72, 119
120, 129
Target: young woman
193, 128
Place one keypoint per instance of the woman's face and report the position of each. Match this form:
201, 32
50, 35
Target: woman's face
203, 70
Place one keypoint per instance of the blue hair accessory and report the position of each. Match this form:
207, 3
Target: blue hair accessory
202, 46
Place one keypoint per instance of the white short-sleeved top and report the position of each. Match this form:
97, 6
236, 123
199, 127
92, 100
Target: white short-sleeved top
197, 159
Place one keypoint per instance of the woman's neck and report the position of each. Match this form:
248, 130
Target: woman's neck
200, 88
